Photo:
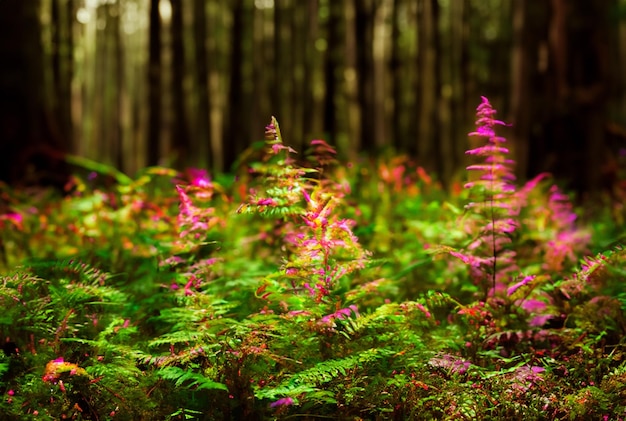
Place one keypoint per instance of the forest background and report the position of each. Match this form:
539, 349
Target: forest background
132, 83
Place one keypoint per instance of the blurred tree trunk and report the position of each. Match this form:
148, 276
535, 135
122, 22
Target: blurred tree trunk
154, 86
380, 79
352, 81
283, 61
201, 75
428, 85
562, 60
312, 117
365, 11
333, 69
238, 130
62, 65
529, 66
262, 60
579, 43
458, 118
298, 22
117, 86
108, 85
181, 140
399, 77
446, 71
33, 145
100, 128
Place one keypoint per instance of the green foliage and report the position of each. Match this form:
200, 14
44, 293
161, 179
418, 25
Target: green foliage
189, 379
306, 288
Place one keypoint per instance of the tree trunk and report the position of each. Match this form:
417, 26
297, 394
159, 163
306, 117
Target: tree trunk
427, 85
528, 66
333, 68
181, 141
62, 66
570, 141
201, 75
238, 132
364, 26
312, 117
283, 61
298, 21
352, 81
154, 86
32, 147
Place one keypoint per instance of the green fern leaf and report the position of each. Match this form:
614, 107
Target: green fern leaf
189, 379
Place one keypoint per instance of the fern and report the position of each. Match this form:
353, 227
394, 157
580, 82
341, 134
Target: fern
189, 379
283, 182
69, 270
309, 380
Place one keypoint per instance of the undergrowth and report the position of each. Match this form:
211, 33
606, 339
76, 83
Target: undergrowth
305, 288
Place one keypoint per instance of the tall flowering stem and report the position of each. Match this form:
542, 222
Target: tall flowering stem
320, 247
494, 184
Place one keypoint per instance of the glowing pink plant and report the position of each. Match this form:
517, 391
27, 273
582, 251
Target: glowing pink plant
568, 240
489, 256
320, 245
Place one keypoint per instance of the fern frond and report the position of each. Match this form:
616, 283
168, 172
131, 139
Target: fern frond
323, 372
68, 269
189, 379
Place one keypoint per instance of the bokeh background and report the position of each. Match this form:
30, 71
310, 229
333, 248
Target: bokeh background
132, 83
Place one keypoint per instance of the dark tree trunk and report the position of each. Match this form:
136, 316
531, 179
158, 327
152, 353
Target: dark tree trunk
333, 69
396, 68
568, 138
528, 66
351, 81
234, 134
153, 144
203, 106
428, 86
364, 17
32, 148
62, 71
283, 61
458, 119
312, 63
298, 21
181, 140
117, 114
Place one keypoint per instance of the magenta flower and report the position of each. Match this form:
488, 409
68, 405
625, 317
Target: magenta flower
282, 402
13, 217
199, 177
